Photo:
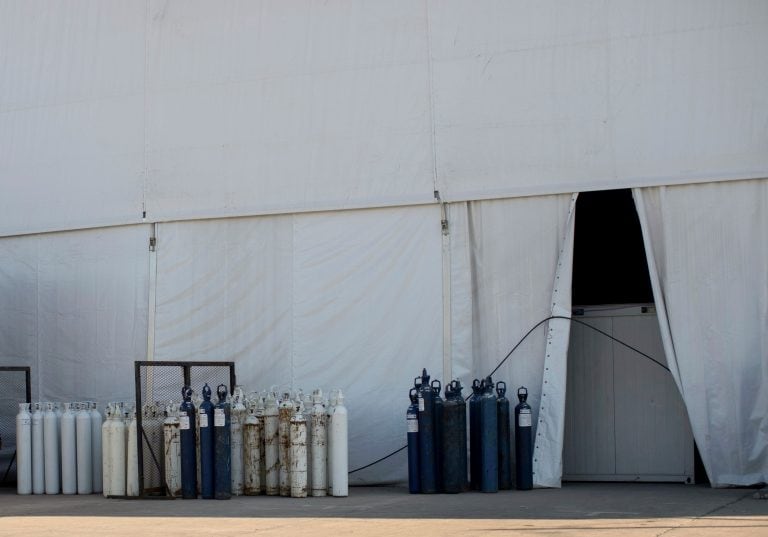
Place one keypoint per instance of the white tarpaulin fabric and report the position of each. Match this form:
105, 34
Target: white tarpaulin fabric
349, 300
73, 306
510, 269
208, 109
707, 248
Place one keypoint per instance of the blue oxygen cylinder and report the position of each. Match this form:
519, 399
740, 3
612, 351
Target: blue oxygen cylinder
438, 406
222, 469
505, 460
489, 445
454, 439
427, 436
412, 419
188, 441
207, 455
523, 447
474, 435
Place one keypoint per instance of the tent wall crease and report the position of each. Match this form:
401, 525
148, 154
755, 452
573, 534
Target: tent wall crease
194, 110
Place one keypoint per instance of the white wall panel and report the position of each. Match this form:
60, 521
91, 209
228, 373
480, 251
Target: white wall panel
367, 317
71, 114
541, 98
74, 307
260, 107
707, 248
224, 294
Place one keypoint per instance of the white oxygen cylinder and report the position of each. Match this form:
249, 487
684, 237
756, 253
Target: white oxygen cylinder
236, 441
339, 454
298, 457
252, 452
117, 444
329, 439
24, 450
172, 451
307, 410
96, 454
271, 445
38, 460
318, 439
284, 414
51, 449
68, 450
57, 409
84, 449
132, 458
106, 451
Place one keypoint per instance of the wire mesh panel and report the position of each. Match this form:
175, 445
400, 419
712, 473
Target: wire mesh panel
15, 388
159, 385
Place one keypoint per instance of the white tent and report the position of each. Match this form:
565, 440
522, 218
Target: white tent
287, 157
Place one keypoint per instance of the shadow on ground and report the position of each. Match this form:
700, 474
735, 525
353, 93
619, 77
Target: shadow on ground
581, 501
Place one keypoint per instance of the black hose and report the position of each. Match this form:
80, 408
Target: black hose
528, 333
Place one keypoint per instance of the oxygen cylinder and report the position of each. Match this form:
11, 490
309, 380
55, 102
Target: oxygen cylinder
153, 442
196, 400
489, 445
339, 453
308, 404
298, 456
504, 457
172, 451
454, 439
271, 445
119, 454
437, 417
236, 431
427, 436
207, 446
106, 451
96, 462
412, 421
38, 462
51, 439
252, 452
328, 421
523, 447
222, 438
57, 409
187, 445
84, 447
284, 413
474, 435
68, 451
24, 450
132, 458
318, 440
262, 445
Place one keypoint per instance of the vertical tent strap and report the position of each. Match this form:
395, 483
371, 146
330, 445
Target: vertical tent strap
151, 310
446, 260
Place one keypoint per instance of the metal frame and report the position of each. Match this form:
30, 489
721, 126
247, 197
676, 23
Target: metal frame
141, 435
28, 385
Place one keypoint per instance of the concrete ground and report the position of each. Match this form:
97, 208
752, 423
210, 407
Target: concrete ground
585, 509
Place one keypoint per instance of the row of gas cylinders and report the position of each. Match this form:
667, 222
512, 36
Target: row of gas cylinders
437, 438
292, 445
58, 451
